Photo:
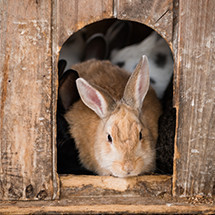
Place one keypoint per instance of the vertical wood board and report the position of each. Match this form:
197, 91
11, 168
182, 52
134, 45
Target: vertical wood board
25, 100
157, 14
194, 153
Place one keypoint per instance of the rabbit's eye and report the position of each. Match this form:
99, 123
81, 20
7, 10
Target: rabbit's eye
120, 64
140, 135
109, 138
152, 81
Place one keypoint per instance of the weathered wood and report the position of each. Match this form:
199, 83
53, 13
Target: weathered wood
194, 151
107, 205
126, 208
157, 14
26, 170
175, 50
94, 186
28, 50
105, 201
73, 15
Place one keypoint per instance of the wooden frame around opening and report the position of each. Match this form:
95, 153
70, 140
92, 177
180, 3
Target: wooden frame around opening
32, 34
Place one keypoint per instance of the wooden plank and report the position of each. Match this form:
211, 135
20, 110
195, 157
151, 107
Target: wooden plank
26, 170
175, 51
104, 205
49, 208
157, 14
75, 14
94, 186
103, 199
194, 152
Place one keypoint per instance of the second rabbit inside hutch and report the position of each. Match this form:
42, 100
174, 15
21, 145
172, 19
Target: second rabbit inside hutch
110, 43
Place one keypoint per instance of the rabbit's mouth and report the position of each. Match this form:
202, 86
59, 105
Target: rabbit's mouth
124, 174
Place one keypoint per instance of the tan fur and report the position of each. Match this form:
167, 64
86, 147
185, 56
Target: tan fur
90, 134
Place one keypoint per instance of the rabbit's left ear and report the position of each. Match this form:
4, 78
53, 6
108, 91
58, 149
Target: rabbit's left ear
118, 34
97, 100
137, 85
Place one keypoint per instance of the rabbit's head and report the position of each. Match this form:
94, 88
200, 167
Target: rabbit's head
123, 143
129, 56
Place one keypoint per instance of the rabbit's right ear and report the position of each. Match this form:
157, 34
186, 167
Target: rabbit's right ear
96, 47
98, 101
137, 85
118, 34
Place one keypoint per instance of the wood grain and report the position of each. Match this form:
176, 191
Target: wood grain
102, 200
31, 33
194, 151
73, 15
140, 186
25, 100
157, 14
93, 207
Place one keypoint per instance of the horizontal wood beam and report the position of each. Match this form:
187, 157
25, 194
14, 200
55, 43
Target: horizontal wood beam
123, 200
103, 205
147, 185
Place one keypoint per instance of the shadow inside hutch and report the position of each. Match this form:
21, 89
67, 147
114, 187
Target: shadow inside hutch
123, 43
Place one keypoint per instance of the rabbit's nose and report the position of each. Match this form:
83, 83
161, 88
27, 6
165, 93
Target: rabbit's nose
128, 168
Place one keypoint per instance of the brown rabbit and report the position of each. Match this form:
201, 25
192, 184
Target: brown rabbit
115, 122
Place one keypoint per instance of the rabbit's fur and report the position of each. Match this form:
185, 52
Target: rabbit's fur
160, 60
115, 122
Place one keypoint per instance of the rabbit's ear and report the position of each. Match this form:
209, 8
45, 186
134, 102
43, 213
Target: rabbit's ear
118, 34
68, 93
96, 47
98, 101
137, 85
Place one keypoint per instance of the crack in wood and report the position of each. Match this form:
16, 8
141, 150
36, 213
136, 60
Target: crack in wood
162, 16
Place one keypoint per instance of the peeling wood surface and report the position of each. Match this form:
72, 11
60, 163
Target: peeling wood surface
94, 186
194, 153
157, 14
25, 100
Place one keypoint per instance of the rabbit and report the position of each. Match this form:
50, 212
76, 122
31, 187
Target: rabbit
95, 48
159, 56
67, 154
115, 121
122, 33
